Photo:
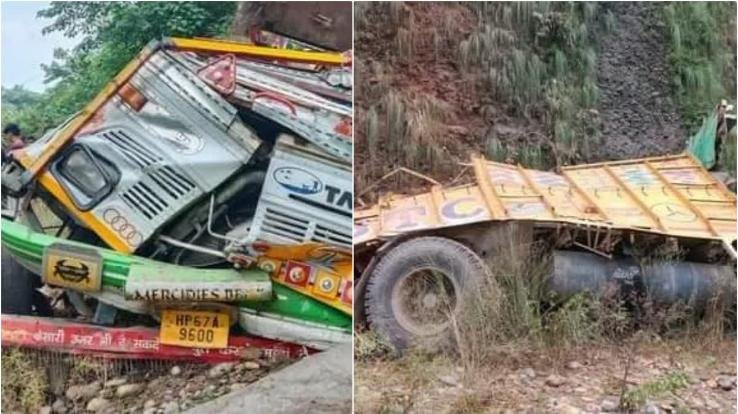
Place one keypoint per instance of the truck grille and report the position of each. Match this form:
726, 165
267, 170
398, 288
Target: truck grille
325, 235
157, 191
132, 150
282, 225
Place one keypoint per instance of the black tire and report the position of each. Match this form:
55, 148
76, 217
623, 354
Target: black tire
393, 309
18, 286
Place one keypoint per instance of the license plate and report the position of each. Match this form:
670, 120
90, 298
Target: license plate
72, 267
194, 329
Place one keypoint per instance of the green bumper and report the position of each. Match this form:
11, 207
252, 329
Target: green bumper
28, 246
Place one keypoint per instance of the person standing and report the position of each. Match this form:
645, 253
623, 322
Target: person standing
12, 140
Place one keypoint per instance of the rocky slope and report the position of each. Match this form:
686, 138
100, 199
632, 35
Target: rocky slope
638, 112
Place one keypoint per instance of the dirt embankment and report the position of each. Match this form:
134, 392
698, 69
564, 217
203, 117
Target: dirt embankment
408, 50
638, 112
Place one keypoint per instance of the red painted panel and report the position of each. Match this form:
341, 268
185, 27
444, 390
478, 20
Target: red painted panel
128, 343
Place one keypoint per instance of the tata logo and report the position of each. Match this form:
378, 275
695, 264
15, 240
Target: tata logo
298, 180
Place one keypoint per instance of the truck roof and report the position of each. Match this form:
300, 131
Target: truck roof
35, 160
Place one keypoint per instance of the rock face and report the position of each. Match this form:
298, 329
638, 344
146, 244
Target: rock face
639, 115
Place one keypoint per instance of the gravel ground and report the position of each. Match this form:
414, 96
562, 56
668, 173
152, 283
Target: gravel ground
666, 378
83, 385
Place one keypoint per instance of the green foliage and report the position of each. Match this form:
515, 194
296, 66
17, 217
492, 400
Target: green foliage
540, 58
665, 384
16, 102
112, 34
370, 345
701, 55
24, 382
495, 150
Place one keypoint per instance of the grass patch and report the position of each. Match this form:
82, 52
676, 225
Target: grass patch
701, 55
513, 309
24, 382
468, 404
369, 345
540, 59
668, 383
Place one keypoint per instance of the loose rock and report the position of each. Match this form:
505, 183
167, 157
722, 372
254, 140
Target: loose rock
568, 409
83, 392
651, 408
238, 386
449, 380
725, 382
610, 405
573, 365
45, 410
129, 389
176, 370
250, 365
59, 407
220, 369
170, 407
116, 382
97, 404
528, 373
554, 380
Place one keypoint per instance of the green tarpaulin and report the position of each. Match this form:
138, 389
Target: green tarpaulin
702, 144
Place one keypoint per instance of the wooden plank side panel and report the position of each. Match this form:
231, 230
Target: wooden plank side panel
566, 198
613, 200
671, 195
661, 202
462, 205
520, 199
408, 214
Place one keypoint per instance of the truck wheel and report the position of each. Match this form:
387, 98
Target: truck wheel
17, 286
415, 288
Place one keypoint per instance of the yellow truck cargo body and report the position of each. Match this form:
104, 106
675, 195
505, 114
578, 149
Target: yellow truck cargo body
669, 195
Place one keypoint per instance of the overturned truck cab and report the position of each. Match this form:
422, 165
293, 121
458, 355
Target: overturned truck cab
207, 185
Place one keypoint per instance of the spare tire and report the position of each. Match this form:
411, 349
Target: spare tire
415, 287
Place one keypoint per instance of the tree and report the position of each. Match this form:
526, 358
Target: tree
112, 34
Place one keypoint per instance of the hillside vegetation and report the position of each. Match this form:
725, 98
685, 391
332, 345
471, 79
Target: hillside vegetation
542, 84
